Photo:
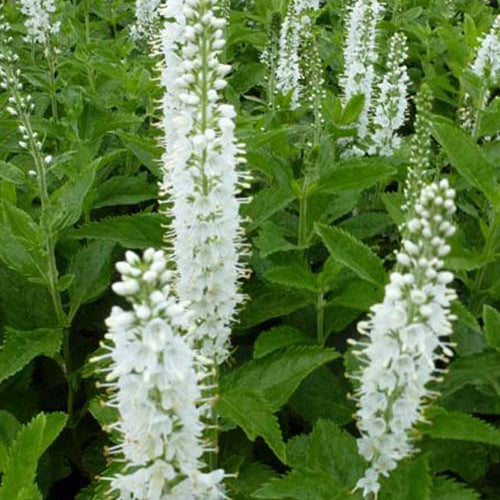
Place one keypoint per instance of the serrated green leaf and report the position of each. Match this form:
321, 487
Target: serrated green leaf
352, 109
467, 333
249, 410
323, 394
124, 190
296, 275
466, 157
272, 302
145, 149
304, 484
410, 481
277, 375
9, 426
250, 477
461, 426
21, 243
29, 445
91, 267
11, 173
447, 489
271, 239
393, 203
67, 202
334, 451
267, 202
353, 254
366, 225
20, 347
491, 318
355, 175
129, 231
278, 338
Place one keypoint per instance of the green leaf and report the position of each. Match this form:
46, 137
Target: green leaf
278, 338
447, 489
272, 302
21, 243
9, 426
267, 202
467, 157
277, 375
491, 318
366, 225
271, 239
467, 333
129, 231
66, 204
11, 173
353, 254
91, 267
30, 444
410, 481
461, 426
305, 484
334, 451
249, 410
393, 203
355, 175
352, 109
295, 275
323, 394
125, 190
249, 478
20, 347
145, 149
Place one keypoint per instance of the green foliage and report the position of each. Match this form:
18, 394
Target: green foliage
23, 455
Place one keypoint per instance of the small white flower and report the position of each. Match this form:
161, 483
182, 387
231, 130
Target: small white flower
39, 19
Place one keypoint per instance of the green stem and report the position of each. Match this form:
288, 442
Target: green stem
303, 206
320, 318
49, 54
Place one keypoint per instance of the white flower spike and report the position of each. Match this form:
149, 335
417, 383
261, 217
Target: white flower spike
391, 103
39, 19
146, 19
202, 179
158, 386
406, 335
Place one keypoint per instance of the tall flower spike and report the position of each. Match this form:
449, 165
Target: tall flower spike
406, 335
202, 179
157, 386
146, 19
39, 19
360, 56
392, 100
294, 29
486, 66
420, 166
270, 57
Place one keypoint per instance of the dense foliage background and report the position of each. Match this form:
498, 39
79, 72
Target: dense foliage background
284, 402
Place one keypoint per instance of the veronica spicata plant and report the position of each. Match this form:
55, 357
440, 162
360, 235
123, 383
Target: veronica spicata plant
486, 67
202, 179
360, 57
158, 385
147, 19
295, 30
407, 335
391, 101
39, 20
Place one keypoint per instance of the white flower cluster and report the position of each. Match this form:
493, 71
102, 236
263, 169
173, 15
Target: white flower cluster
486, 66
202, 179
392, 100
360, 56
406, 335
146, 19
39, 23
294, 30
157, 385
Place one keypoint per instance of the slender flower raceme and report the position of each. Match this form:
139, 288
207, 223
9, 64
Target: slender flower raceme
158, 385
146, 19
202, 179
406, 336
392, 101
360, 56
39, 19
486, 66
294, 30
